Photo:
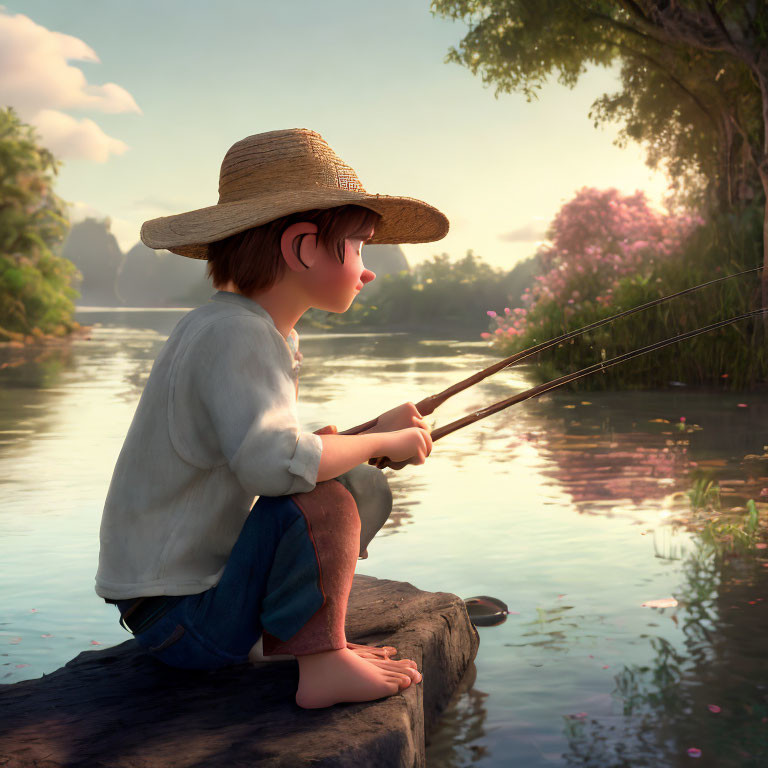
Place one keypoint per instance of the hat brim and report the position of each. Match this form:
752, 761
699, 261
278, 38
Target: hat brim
403, 219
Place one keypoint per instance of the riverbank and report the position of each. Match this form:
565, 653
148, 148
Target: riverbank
63, 335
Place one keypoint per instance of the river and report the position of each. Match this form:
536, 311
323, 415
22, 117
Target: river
563, 507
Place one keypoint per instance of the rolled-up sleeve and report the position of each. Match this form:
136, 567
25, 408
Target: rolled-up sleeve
242, 375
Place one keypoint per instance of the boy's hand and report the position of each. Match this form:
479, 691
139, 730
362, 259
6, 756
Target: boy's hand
401, 417
411, 445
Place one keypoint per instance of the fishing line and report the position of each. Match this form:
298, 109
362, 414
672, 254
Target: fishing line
548, 386
427, 406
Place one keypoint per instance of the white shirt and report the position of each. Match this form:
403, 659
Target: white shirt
215, 426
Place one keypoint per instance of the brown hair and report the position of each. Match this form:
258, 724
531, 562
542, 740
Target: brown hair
252, 259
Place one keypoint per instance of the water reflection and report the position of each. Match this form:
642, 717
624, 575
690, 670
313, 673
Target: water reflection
563, 507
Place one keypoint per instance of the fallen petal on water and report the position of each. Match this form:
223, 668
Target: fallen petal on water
606, 666
46, 635
694, 752
15, 641
664, 602
21, 666
713, 708
741, 405
95, 642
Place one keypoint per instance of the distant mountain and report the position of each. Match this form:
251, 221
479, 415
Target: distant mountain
161, 279
146, 278
140, 278
92, 248
385, 259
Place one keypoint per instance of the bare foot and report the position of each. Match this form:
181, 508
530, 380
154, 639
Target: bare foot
372, 651
256, 655
332, 677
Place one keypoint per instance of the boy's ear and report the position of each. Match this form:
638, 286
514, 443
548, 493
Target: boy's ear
298, 245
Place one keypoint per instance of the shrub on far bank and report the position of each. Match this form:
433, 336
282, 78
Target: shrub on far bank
36, 297
439, 295
609, 253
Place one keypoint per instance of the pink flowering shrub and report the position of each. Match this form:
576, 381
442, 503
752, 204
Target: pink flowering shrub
607, 253
597, 240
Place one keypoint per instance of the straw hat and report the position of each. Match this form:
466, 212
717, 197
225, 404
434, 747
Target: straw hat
270, 175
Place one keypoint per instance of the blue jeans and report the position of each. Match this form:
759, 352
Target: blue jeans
270, 582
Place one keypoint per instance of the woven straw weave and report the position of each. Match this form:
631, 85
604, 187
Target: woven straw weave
269, 175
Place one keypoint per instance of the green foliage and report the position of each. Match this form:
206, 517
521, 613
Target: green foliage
35, 292
697, 110
723, 531
440, 294
704, 494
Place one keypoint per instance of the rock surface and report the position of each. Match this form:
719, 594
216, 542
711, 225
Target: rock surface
120, 707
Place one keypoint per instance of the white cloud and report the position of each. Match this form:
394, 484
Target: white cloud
526, 234
38, 82
67, 137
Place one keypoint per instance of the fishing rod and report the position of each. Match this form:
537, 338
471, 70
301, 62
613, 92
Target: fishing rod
428, 405
548, 386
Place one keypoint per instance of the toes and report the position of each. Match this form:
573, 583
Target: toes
399, 668
383, 652
397, 665
403, 681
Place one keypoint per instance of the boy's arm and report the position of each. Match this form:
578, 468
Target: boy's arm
343, 452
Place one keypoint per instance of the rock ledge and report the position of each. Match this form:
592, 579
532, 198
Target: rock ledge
118, 707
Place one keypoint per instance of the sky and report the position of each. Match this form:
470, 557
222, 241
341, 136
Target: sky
141, 99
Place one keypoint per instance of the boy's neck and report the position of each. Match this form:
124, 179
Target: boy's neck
281, 302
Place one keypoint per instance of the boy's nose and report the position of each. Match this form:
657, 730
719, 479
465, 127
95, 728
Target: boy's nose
367, 276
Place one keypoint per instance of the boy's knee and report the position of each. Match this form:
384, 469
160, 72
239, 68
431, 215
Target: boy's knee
370, 490
331, 505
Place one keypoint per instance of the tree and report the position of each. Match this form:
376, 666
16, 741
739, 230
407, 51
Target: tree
694, 77
35, 291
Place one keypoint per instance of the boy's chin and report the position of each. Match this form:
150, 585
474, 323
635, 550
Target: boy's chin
336, 309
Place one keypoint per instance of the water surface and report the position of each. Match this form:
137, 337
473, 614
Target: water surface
562, 507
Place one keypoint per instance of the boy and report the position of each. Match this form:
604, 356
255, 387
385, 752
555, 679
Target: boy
198, 572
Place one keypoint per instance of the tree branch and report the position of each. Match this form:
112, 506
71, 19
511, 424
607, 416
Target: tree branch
591, 15
644, 56
719, 21
633, 8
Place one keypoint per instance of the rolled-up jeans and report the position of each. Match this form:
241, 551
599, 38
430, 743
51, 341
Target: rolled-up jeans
271, 582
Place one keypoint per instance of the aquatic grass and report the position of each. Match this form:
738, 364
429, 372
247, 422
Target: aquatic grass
722, 531
704, 495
